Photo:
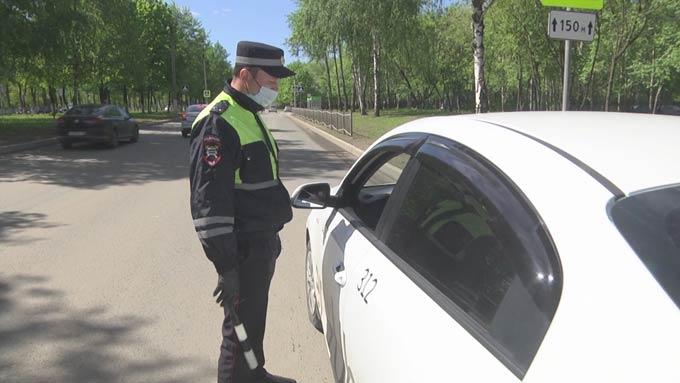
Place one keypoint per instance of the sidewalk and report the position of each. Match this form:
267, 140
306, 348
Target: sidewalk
34, 144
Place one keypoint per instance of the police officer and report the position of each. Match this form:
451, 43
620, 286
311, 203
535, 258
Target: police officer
238, 202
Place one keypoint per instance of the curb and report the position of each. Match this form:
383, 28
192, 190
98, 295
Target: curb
7, 149
317, 130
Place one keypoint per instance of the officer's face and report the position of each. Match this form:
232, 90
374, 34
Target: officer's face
262, 78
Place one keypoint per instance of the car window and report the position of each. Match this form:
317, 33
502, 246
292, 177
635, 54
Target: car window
195, 108
86, 110
373, 195
112, 112
650, 222
485, 258
123, 113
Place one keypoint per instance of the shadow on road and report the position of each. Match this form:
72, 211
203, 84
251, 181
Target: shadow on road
14, 222
43, 341
160, 155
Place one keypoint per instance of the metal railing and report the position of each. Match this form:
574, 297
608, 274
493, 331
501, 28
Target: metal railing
338, 121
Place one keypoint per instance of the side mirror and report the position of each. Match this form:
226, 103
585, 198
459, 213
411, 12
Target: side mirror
312, 196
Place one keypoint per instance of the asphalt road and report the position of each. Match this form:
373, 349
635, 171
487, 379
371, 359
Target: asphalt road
102, 278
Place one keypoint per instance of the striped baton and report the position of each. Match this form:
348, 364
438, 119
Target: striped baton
242, 336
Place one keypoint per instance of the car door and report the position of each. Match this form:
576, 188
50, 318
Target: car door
126, 121
460, 282
362, 199
113, 119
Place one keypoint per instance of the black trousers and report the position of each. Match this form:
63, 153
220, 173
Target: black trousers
257, 260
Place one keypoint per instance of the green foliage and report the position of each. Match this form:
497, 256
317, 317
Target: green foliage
61, 52
426, 54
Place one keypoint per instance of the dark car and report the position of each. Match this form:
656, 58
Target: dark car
97, 124
671, 110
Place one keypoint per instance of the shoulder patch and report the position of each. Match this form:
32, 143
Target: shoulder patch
212, 150
220, 107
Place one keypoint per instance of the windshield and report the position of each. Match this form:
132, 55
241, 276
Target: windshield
650, 222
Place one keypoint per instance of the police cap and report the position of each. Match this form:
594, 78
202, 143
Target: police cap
267, 57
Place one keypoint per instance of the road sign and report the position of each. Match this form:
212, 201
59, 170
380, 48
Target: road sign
185, 89
564, 25
206, 93
585, 4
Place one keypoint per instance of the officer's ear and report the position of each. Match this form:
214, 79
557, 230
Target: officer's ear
243, 74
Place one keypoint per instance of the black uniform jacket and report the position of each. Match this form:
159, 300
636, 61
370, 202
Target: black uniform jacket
222, 214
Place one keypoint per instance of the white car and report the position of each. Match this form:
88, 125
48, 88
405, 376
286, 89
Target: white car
189, 116
533, 247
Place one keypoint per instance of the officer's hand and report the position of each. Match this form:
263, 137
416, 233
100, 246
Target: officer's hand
227, 287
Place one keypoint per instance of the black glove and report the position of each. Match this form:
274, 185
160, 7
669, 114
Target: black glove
227, 287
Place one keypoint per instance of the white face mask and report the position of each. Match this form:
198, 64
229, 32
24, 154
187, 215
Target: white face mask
265, 96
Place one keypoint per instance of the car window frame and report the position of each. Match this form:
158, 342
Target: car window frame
472, 326
407, 143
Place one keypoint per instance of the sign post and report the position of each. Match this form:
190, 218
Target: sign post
570, 26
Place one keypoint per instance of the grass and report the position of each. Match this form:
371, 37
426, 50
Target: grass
373, 127
25, 127
367, 129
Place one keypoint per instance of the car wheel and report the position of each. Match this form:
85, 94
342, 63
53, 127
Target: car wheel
312, 305
135, 135
185, 134
66, 144
114, 139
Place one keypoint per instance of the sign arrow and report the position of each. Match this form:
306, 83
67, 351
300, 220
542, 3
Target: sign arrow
590, 28
554, 23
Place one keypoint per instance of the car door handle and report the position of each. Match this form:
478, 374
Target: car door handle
340, 274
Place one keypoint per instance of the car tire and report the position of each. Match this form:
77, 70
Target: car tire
135, 135
185, 134
312, 305
66, 144
113, 142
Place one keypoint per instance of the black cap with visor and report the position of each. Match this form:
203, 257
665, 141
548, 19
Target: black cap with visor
266, 57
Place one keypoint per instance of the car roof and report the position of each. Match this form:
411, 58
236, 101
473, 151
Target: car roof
630, 151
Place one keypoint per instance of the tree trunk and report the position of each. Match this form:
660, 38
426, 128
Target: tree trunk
360, 87
329, 84
354, 89
651, 79
342, 74
656, 99
589, 86
52, 92
125, 99
362, 96
337, 77
478, 55
64, 100
520, 105
7, 97
34, 101
412, 95
141, 100
376, 75
610, 82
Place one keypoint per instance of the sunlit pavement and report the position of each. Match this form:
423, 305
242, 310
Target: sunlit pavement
102, 278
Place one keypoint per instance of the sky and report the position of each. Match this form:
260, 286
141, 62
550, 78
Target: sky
230, 21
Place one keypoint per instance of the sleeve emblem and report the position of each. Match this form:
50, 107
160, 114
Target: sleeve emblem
212, 150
